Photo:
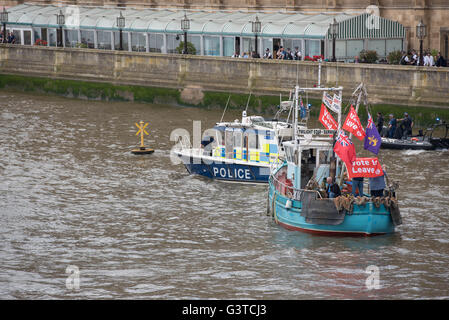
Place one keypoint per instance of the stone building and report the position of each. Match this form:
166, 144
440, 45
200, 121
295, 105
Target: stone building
434, 13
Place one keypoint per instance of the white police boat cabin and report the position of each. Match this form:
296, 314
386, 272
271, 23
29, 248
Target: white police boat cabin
239, 151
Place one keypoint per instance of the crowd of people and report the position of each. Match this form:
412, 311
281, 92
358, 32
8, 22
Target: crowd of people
10, 38
413, 58
280, 54
396, 128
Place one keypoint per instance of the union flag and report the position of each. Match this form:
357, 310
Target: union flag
345, 149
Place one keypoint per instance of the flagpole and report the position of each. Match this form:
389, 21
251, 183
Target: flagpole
359, 99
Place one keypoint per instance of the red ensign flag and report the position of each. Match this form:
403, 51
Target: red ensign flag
326, 119
353, 125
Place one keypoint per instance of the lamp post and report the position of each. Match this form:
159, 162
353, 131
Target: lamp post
256, 27
60, 20
4, 20
334, 32
121, 25
421, 33
185, 26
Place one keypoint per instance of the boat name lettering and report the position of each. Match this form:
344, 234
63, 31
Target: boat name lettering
232, 173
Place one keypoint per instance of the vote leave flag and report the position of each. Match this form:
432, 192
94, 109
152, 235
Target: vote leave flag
372, 137
326, 119
344, 148
353, 125
365, 167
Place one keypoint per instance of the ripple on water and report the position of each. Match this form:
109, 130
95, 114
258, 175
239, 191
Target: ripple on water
141, 227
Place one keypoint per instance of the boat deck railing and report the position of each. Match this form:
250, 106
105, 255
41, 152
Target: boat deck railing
291, 191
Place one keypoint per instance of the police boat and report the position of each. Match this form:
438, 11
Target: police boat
240, 151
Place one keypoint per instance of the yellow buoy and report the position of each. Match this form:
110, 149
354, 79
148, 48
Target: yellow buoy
142, 131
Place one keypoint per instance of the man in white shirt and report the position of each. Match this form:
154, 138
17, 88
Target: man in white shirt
428, 60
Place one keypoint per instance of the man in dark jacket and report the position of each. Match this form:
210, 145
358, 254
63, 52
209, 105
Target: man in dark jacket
333, 190
380, 122
441, 62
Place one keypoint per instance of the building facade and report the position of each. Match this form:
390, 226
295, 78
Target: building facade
434, 13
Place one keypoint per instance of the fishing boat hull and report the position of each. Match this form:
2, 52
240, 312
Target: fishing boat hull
399, 144
364, 220
225, 170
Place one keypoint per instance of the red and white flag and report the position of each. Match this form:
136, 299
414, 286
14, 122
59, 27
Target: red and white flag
353, 125
345, 150
365, 167
326, 119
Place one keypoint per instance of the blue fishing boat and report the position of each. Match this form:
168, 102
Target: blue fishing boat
298, 202
240, 151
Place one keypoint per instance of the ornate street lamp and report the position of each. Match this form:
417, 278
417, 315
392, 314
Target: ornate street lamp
121, 25
333, 30
185, 26
4, 20
421, 33
256, 27
60, 20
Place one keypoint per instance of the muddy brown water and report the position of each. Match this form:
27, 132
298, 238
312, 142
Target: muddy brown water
139, 227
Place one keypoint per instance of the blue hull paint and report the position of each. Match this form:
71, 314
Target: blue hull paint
229, 172
364, 221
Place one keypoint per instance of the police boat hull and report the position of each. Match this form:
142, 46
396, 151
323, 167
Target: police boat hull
224, 169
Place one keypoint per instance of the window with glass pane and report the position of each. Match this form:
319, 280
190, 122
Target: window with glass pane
156, 42
18, 37
297, 43
378, 46
27, 37
172, 43
138, 41
287, 44
117, 40
211, 46
267, 43
52, 37
87, 38
228, 46
353, 47
340, 48
313, 48
196, 41
104, 40
393, 45
247, 45
71, 37
37, 35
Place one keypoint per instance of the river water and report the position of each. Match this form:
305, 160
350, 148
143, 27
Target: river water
73, 198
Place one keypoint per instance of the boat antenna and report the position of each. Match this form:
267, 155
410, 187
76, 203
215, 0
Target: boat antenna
247, 104
229, 98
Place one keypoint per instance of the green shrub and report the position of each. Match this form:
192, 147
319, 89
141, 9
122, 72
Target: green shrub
368, 56
394, 57
190, 48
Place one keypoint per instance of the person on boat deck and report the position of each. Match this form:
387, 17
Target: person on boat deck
333, 190
377, 185
408, 125
380, 122
391, 126
357, 187
206, 145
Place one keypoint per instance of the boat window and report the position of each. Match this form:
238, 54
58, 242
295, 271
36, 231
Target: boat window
229, 144
324, 157
237, 139
253, 139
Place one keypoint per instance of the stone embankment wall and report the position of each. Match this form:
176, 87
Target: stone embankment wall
193, 76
